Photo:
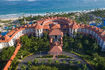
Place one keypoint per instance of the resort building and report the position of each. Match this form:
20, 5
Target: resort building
56, 27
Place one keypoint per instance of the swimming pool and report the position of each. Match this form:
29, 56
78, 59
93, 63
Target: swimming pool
4, 33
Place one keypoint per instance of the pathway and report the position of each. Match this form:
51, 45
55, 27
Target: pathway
32, 57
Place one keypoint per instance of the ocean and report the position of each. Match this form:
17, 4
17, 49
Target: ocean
14, 8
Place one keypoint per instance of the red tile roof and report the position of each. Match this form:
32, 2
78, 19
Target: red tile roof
56, 49
6, 37
38, 26
55, 32
46, 27
55, 26
74, 26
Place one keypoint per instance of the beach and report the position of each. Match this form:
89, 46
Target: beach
7, 19
20, 15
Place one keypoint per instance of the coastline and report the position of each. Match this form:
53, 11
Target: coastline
7, 19
12, 17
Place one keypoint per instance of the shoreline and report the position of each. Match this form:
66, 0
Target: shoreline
7, 17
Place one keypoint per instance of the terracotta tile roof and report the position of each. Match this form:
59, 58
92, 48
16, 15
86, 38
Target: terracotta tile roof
38, 26
47, 23
56, 49
46, 27
0, 35
11, 32
33, 25
6, 37
29, 25
40, 21
55, 32
55, 26
74, 26
25, 26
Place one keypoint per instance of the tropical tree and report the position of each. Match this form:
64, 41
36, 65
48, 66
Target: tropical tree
49, 61
23, 67
70, 62
94, 46
29, 63
79, 45
36, 61
64, 62
57, 62
85, 67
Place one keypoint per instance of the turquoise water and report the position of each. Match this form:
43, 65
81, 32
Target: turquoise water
43, 6
4, 33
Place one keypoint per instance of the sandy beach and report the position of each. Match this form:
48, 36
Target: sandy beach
7, 19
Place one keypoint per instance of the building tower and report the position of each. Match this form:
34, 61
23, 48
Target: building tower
38, 30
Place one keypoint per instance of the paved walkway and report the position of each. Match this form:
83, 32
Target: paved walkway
32, 57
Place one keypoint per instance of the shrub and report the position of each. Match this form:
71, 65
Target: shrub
36, 61
57, 62
49, 61
23, 67
70, 62
78, 62
64, 62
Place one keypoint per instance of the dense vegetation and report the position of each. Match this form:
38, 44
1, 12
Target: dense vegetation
30, 45
81, 42
6, 21
87, 48
98, 13
80, 17
35, 44
103, 27
5, 55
